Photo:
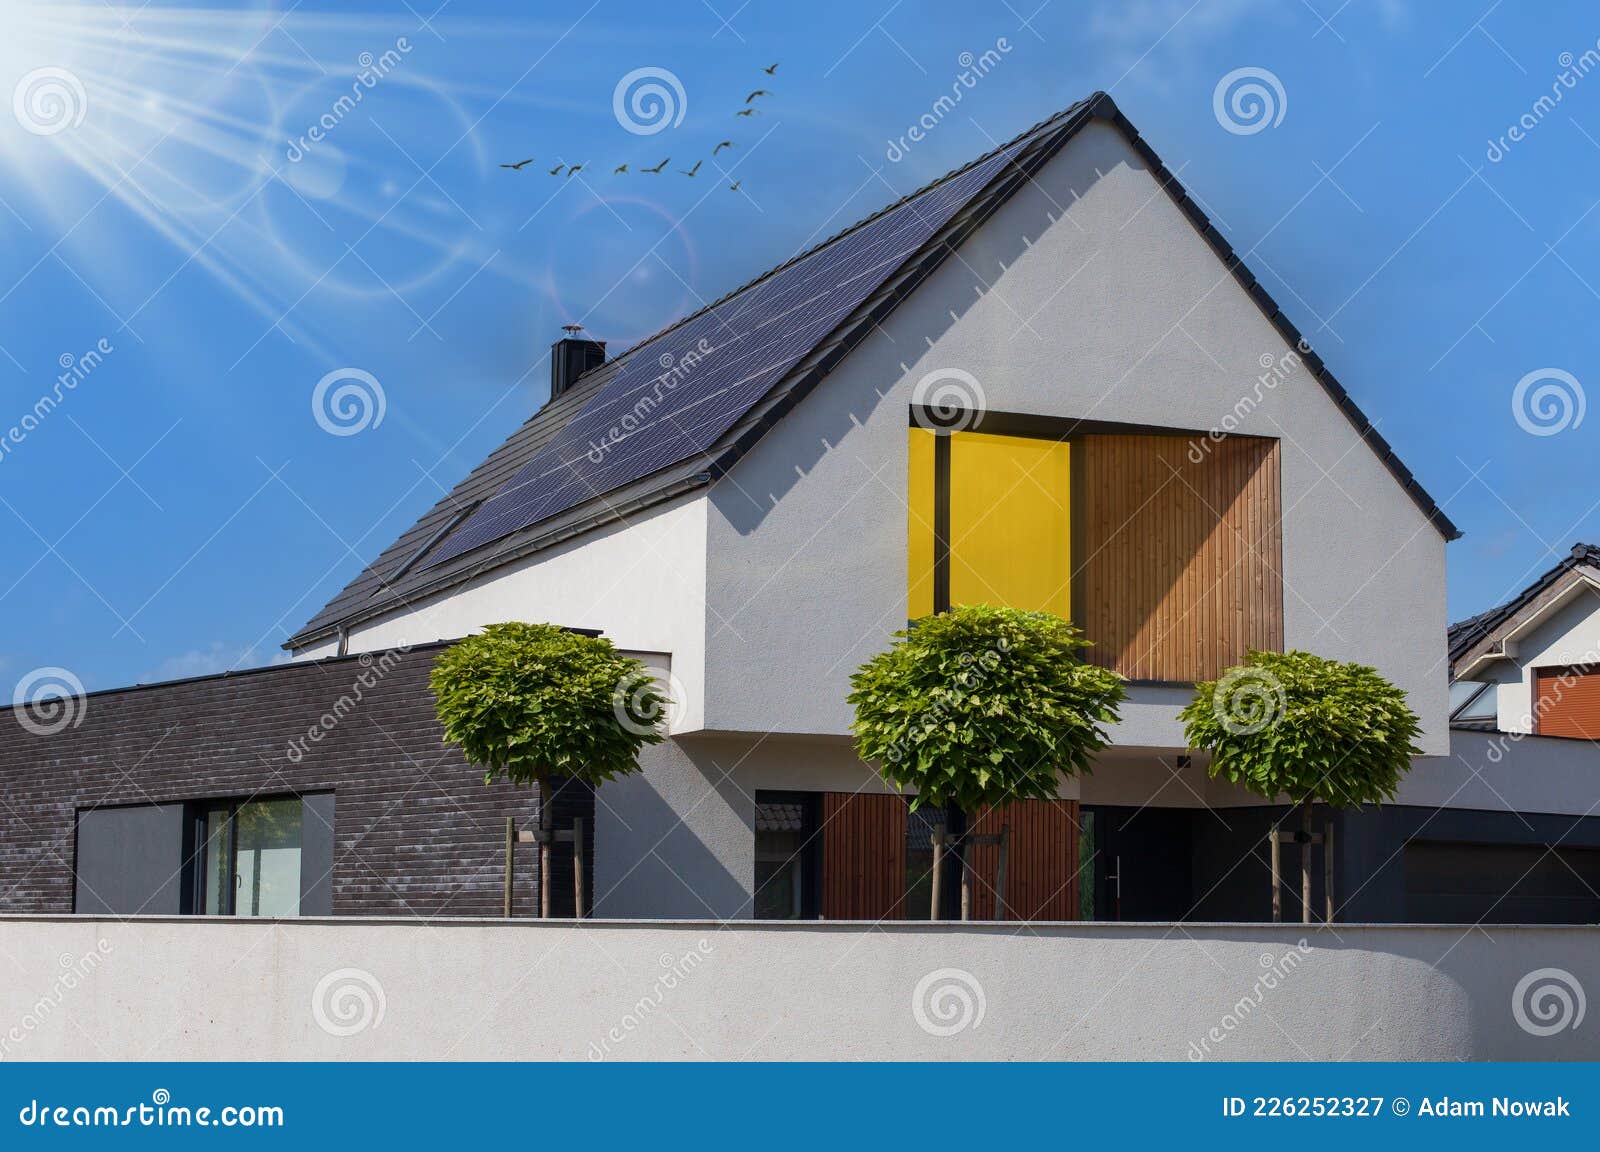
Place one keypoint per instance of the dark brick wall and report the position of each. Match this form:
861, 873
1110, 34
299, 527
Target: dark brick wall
417, 832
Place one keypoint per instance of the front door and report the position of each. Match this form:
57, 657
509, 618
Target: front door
1140, 858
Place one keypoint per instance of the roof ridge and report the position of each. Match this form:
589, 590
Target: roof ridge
1071, 110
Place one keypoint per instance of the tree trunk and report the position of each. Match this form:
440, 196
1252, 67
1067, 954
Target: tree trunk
1305, 862
545, 823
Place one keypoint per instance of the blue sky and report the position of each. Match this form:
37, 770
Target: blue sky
173, 240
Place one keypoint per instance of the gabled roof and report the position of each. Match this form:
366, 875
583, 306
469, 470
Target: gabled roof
1476, 635
402, 573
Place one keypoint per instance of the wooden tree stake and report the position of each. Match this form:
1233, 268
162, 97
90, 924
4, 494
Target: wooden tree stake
1277, 875
938, 871
511, 839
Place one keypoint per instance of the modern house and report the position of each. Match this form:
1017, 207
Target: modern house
1044, 381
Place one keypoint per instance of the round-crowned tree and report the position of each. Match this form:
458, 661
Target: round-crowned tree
1297, 725
979, 706
533, 702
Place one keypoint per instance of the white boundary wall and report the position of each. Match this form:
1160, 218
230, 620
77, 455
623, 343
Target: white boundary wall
168, 989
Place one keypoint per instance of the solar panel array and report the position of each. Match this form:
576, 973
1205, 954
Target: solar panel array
676, 395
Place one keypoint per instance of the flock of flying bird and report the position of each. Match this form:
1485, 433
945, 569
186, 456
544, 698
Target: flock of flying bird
622, 169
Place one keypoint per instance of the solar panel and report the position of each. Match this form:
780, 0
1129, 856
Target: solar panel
676, 395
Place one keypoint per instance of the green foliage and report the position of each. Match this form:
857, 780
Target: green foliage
980, 706
531, 700
1295, 724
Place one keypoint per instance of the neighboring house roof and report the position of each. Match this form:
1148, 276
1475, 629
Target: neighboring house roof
403, 574
1483, 636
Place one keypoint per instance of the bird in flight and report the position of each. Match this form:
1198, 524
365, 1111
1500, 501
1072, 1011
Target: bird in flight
745, 112
771, 69
574, 168
658, 167
519, 166
573, 328
619, 169
757, 92
734, 187
556, 171
692, 171
720, 147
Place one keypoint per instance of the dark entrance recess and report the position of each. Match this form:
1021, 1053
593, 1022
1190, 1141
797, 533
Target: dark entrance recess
1141, 863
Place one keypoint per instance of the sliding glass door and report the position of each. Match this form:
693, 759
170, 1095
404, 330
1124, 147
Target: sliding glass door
252, 858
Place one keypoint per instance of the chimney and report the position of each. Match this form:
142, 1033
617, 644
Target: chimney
571, 357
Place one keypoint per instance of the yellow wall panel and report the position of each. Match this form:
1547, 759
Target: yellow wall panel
919, 526
1010, 522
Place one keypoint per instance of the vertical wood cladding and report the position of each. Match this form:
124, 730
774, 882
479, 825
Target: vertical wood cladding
1181, 567
1567, 702
864, 866
1041, 864
416, 831
863, 855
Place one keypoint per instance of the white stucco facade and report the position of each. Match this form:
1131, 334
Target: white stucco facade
641, 584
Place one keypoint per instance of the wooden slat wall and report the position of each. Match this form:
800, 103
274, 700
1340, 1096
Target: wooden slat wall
863, 856
1042, 862
1180, 566
1567, 702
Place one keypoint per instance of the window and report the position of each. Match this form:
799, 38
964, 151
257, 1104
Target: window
1474, 700
249, 862
989, 522
785, 856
